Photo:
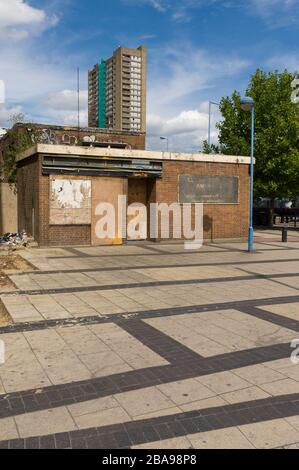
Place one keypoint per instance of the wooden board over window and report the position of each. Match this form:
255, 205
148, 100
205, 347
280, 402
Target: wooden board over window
70, 201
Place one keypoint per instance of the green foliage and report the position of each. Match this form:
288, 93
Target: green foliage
276, 133
206, 148
17, 140
17, 144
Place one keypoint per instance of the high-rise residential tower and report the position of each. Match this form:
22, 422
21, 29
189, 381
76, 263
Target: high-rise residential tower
117, 91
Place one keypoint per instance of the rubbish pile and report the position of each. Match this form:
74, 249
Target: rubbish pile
14, 240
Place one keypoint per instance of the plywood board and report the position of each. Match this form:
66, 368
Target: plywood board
106, 190
70, 201
137, 193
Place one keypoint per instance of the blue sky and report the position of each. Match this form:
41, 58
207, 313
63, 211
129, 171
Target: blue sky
197, 50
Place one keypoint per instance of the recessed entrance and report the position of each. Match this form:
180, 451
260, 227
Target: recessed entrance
138, 190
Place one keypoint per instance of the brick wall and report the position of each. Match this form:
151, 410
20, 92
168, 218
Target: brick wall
28, 196
134, 140
220, 220
34, 208
63, 135
54, 235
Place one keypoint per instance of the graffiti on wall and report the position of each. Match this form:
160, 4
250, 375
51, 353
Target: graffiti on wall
70, 201
48, 136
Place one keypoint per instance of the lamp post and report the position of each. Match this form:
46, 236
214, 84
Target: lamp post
210, 113
247, 104
167, 142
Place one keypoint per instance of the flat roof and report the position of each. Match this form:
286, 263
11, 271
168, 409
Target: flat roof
80, 151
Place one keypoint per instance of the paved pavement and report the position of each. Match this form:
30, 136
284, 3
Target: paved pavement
152, 346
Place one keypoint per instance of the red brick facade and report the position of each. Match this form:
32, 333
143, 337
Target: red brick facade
221, 221
63, 135
28, 182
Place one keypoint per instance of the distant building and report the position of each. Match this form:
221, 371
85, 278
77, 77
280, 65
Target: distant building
117, 91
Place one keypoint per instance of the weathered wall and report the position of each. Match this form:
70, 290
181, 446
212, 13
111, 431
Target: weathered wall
28, 196
138, 192
54, 235
63, 135
70, 201
8, 209
220, 220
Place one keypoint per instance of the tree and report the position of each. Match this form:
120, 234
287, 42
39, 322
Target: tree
15, 142
212, 148
276, 133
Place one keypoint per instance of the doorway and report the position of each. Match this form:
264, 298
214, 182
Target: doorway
137, 194
106, 190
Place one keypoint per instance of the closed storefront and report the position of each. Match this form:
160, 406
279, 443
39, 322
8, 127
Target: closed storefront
99, 196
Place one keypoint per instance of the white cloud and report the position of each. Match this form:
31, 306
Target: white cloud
6, 112
38, 81
266, 7
65, 100
18, 19
29, 77
185, 131
284, 61
276, 13
17, 12
62, 107
185, 71
71, 119
176, 91
184, 122
159, 5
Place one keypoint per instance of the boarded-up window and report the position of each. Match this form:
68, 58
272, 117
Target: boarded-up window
70, 202
209, 189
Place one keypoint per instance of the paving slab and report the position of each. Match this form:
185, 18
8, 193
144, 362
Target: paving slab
270, 434
229, 438
156, 341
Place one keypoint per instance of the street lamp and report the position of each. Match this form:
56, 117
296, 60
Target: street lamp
247, 104
210, 113
167, 142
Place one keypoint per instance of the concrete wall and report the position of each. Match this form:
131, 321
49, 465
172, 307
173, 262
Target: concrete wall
8, 209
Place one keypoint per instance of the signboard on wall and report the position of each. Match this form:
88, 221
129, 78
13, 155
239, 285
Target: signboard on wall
208, 189
70, 201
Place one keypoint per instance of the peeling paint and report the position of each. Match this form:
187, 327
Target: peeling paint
70, 201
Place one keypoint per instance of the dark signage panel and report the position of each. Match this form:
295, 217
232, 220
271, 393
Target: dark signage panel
209, 189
